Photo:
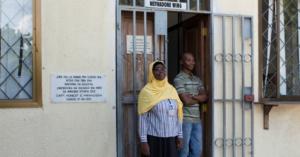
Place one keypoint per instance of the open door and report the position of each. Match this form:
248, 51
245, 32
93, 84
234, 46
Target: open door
196, 41
190, 34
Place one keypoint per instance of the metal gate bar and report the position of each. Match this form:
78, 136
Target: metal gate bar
243, 85
119, 70
166, 51
252, 84
224, 86
145, 47
212, 84
134, 81
233, 85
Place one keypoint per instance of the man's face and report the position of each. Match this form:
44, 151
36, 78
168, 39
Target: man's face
188, 62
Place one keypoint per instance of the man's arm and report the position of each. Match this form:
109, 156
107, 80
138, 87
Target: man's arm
183, 95
200, 98
188, 99
202, 94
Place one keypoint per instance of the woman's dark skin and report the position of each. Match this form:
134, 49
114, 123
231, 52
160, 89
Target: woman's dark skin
159, 73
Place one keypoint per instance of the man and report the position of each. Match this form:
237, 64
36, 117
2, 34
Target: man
191, 92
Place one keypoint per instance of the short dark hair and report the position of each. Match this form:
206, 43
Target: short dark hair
185, 53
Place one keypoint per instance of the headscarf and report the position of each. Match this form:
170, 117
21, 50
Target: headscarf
156, 91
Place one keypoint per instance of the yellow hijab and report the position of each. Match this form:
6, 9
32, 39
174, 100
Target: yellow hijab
156, 91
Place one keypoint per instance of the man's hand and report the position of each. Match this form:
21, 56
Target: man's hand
200, 98
179, 143
145, 149
187, 99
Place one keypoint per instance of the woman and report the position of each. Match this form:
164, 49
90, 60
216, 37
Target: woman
160, 115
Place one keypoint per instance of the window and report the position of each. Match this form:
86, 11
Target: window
19, 57
280, 26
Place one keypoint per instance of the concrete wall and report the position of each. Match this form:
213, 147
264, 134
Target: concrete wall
77, 37
282, 139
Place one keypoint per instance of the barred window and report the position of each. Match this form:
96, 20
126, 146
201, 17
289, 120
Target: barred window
281, 55
17, 55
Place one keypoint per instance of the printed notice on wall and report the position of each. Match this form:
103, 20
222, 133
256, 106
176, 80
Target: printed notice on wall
139, 44
77, 88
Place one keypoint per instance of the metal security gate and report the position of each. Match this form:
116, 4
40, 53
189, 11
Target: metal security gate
232, 75
142, 35
136, 29
133, 63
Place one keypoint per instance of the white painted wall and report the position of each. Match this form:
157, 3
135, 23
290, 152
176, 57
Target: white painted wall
282, 139
77, 37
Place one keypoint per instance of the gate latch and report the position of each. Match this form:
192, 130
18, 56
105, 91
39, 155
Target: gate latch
248, 97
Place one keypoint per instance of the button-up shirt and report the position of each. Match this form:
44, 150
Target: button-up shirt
161, 121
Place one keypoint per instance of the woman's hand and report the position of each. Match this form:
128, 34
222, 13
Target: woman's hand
179, 143
145, 149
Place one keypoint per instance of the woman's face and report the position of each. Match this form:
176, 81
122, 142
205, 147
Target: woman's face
159, 72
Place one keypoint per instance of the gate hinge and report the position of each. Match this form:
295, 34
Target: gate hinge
204, 31
118, 26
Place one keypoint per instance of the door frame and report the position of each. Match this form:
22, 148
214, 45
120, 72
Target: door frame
119, 63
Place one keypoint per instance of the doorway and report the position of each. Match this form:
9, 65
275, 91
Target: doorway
188, 32
145, 36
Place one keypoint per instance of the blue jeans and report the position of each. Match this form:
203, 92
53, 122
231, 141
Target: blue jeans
192, 140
